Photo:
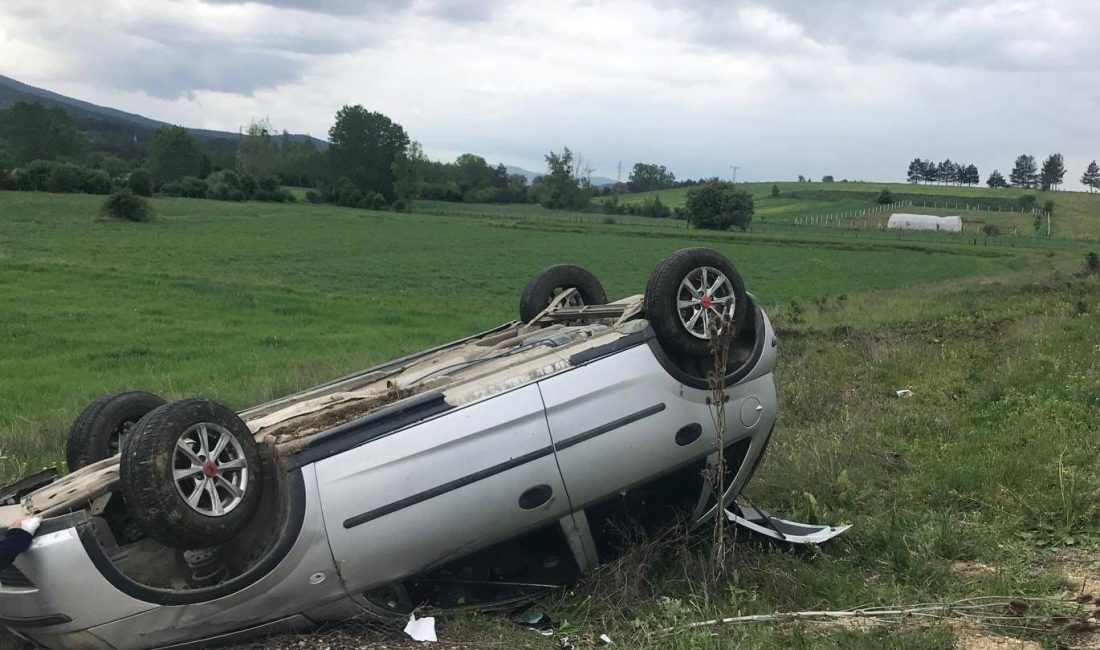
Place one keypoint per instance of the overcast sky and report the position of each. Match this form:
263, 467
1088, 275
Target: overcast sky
853, 88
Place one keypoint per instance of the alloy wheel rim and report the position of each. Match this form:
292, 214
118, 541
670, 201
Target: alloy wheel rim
209, 469
705, 294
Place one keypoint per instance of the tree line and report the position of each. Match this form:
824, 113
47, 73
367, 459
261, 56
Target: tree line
1026, 173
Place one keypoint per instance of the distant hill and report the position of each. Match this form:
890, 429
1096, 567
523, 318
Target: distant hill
598, 181
112, 129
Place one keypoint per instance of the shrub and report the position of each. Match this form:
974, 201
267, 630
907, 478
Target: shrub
885, 197
53, 176
1026, 202
609, 221
313, 196
1092, 263
827, 179
718, 206
377, 202
124, 204
990, 229
775, 190
399, 205
140, 182
188, 186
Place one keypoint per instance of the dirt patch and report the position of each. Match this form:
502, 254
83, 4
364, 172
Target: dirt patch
337, 415
969, 636
972, 569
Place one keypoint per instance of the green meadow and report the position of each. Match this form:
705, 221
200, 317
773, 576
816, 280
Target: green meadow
982, 484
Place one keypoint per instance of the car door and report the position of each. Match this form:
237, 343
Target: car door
615, 421
441, 489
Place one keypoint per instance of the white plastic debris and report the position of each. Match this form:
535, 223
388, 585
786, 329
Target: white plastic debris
904, 392
421, 629
606, 640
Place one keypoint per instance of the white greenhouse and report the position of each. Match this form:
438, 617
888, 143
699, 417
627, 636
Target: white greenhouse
924, 222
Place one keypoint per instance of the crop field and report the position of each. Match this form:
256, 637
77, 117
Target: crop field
983, 484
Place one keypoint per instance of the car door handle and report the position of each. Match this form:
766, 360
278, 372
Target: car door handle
536, 496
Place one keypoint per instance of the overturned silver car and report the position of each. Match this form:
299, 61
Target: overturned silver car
487, 466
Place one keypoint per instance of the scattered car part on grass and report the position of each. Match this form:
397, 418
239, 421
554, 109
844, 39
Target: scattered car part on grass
477, 474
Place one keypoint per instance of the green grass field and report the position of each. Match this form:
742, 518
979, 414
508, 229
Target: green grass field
984, 483
1077, 214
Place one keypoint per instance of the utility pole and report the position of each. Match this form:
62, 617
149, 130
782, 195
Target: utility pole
735, 168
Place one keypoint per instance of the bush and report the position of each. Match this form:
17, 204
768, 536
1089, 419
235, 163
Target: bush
826, 179
53, 176
775, 190
188, 186
718, 206
885, 197
1092, 263
124, 204
990, 229
1026, 202
313, 196
140, 182
609, 221
400, 205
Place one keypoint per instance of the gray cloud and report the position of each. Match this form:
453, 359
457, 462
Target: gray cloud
853, 88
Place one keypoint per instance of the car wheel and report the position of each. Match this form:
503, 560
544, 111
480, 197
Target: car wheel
686, 292
551, 281
98, 431
191, 474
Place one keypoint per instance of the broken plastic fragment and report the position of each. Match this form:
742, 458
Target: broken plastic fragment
421, 629
904, 392
606, 640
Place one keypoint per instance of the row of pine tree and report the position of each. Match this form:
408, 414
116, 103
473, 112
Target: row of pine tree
1025, 174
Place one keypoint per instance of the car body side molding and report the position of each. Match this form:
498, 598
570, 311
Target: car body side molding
439, 490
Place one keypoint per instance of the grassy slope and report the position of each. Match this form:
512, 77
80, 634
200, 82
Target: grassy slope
1076, 213
992, 461
981, 484
243, 302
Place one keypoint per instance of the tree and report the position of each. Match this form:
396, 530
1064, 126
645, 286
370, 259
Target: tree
406, 184
827, 179
647, 176
969, 175
1091, 177
34, 132
775, 190
947, 172
140, 183
885, 197
916, 172
473, 173
174, 154
718, 206
801, 178
363, 147
257, 152
996, 180
1054, 171
1024, 172
560, 190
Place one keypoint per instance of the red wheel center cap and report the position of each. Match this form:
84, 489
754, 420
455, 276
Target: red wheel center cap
210, 468
705, 302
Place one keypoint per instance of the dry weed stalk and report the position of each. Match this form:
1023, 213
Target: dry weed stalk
1066, 615
720, 333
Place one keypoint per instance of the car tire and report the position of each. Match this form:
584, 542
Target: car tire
191, 474
551, 281
98, 431
675, 282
